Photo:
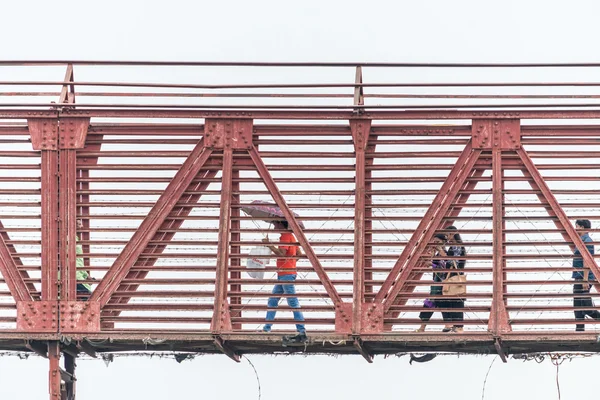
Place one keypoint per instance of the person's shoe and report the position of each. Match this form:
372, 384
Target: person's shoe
447, 330
301, 337
580, 328
296, 339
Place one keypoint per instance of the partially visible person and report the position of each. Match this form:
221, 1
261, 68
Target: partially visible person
583, 276
437, 255
456, 249
286, 274
84, 290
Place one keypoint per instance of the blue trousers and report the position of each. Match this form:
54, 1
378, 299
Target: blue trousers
284, 288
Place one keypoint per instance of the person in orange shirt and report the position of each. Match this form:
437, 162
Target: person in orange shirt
286, 273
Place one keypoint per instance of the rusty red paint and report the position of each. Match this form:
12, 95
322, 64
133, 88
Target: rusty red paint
221, 319
492, 134
67, 234
361, 130
79, 316
37, 316
50, 216
429, 223
151, 224
382, 173
498, 322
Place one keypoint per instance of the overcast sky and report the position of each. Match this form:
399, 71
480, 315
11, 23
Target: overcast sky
401, 31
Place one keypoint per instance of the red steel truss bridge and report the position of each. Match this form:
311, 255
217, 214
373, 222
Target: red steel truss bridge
367, 162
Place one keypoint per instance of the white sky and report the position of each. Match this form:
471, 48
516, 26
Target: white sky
429, 31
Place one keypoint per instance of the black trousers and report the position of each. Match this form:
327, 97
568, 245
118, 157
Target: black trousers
83, 293
581, 303
449, 316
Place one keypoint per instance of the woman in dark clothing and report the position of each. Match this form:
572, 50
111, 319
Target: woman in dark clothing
437, 250
456, 250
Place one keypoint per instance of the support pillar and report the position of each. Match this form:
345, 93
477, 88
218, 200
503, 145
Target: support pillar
498, 136
227, 135
54, 379
70, 373
360, 129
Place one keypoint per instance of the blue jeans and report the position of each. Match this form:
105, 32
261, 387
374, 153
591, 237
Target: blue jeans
292, 302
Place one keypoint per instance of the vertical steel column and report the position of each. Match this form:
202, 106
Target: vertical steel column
235, 262
359, 243
360, 134
496, 136
68, 223
498, 321
54, 379
221, 320
70, 364
50, 218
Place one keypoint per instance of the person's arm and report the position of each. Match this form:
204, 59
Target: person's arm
276, 250
462, 261
586, 271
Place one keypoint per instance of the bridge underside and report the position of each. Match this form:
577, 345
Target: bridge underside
146, 192
319, 343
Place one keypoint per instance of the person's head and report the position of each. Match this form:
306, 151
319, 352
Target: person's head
453, 237
437, 242
281, 225
79, 224
583, 225
440, 239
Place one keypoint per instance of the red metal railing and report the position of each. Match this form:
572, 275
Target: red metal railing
158, 170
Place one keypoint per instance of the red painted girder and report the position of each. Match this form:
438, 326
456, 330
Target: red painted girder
588, 259
221, 319
549, 210
64, 93
360, 134
310, 114
148, 228
12, 277
429, 223
50, 217
455, 211
428, 227
278, 198
17, 261
498, 321
172, 225
54, 379
68, 223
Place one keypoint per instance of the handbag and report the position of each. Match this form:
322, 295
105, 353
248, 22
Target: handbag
455, 285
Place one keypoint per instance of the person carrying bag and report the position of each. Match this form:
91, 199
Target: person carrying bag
454, 283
